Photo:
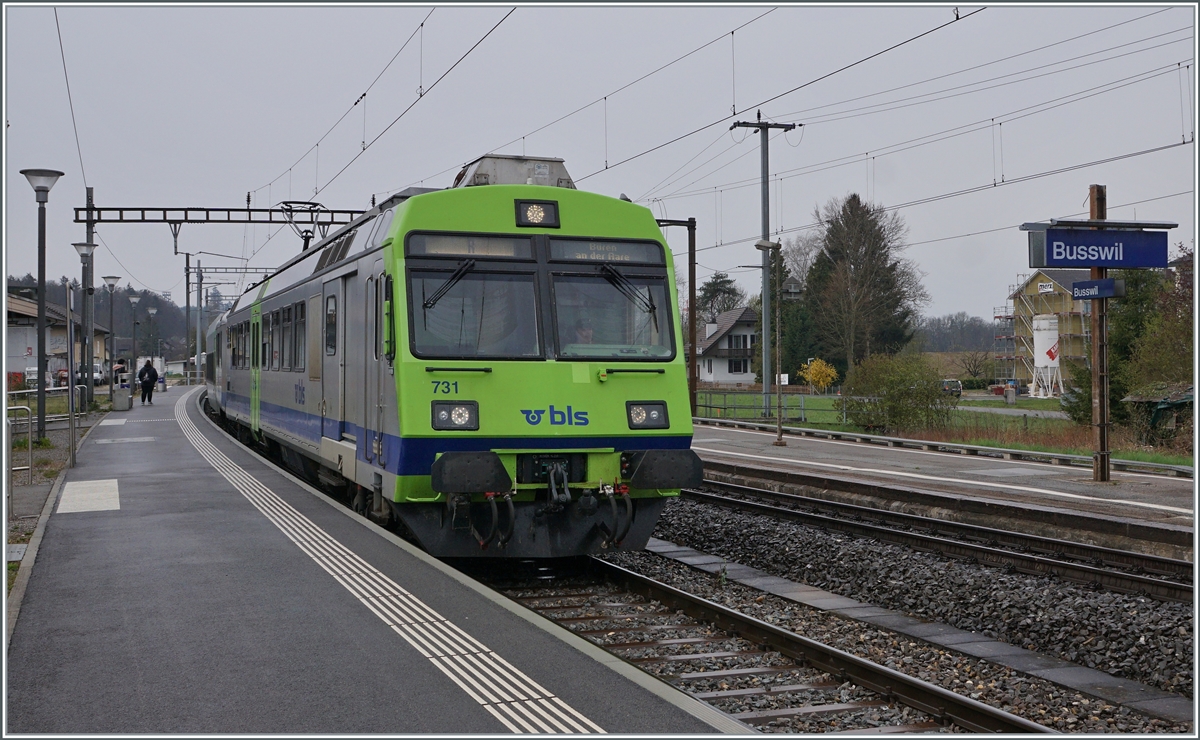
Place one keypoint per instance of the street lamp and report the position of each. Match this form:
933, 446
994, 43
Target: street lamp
111, 281
133, 299
41, 181
772, 248
85, 250
152, 310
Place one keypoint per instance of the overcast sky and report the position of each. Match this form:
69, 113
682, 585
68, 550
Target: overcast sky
194, 106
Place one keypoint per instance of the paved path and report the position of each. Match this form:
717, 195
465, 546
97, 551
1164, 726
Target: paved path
183, 585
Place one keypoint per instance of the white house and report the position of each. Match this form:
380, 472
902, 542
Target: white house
728, 346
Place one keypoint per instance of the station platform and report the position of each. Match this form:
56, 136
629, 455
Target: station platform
184, 585
1141, 496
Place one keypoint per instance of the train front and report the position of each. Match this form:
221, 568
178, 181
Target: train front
541, 380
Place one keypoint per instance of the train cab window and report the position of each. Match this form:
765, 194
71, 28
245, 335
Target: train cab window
331, 325
285, 343
466, 313
613, 315
298, 353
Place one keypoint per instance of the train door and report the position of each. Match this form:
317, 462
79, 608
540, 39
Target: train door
373, 381
332, 359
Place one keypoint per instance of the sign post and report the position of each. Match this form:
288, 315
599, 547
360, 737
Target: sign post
1098, 244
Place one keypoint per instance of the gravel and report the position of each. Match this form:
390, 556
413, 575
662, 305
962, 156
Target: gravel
1032, 698
1130, 636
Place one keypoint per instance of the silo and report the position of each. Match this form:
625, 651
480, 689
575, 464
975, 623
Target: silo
1047, 378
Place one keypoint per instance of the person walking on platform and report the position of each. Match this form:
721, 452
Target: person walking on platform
148, 376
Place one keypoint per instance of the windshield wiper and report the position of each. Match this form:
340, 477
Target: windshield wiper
451, 281
630, 291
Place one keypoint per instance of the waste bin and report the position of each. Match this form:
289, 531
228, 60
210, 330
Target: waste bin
1010, 396
121, 401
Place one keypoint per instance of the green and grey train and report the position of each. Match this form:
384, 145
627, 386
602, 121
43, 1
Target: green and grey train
495, 369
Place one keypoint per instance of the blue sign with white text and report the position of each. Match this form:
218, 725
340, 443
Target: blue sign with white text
1098, 248
1087, 290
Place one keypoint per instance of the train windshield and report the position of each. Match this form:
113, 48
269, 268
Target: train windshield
613, 315
469, 314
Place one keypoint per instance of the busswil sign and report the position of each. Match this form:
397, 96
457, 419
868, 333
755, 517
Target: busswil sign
1090, 289
1096, 248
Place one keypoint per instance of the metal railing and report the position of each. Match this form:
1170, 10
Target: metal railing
1054, 458
798, 407
81, 407
28, 447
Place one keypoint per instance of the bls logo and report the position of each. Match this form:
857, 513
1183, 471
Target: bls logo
558, 417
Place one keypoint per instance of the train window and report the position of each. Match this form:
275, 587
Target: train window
243, 360
385, 223
285, 344
298, 353
469, 245
479, 315
254, 356
314, 338
592, 250
276, 344
614, 316
331, 325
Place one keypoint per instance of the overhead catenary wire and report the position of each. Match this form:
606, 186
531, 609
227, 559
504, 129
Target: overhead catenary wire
773, 98
597, 101
975, 189
70, 101
932, 138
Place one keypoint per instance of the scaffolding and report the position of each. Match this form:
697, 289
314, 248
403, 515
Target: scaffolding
1013, 345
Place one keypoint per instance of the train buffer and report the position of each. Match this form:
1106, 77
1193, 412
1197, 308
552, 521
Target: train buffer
181, 584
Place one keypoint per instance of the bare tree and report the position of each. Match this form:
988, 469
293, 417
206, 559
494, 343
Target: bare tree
799, 253
974, 362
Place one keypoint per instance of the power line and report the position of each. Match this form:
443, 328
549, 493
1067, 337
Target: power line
598, 100
927, 139
419, 99
780, 95
976, 189
352, 105
63, 53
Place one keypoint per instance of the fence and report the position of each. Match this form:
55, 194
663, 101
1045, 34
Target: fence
80, 402
748, 405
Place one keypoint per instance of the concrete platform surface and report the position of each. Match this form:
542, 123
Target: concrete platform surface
185, 586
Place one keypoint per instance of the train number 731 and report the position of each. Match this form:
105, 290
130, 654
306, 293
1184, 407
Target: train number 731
444, 386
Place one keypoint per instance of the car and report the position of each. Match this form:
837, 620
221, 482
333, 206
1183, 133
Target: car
97, 375
952, 387
31, 378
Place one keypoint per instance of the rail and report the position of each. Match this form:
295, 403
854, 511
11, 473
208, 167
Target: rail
942, 703
28, 446
1053, 458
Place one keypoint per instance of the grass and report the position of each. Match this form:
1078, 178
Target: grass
1032, 404
12, 575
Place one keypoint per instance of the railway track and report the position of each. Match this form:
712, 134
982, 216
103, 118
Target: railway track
1129, 572
753, 671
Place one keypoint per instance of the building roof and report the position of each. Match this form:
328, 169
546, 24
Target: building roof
56, 315
725, 322
1063, 278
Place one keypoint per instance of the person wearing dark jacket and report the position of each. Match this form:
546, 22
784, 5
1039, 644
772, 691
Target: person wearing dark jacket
148, 376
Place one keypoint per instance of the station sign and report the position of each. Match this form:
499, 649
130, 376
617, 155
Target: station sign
1097, 248
1087, 290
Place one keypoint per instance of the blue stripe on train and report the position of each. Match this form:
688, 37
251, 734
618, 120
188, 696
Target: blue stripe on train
415, 455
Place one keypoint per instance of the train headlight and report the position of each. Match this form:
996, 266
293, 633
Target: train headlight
537, 213
647, 414
459, 415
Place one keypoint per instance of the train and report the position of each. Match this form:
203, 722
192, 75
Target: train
492, 369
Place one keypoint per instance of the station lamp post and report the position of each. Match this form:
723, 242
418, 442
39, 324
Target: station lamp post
41, 181
133, 299
152, 311
111, 281
85, 250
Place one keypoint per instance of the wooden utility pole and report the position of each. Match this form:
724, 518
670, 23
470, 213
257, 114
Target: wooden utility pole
1098, 197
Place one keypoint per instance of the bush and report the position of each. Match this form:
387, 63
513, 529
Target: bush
975, 384
897, 393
